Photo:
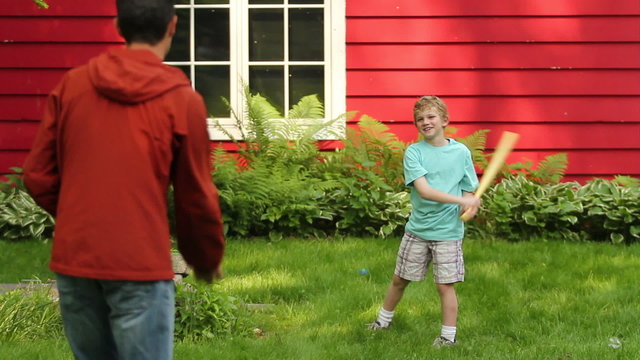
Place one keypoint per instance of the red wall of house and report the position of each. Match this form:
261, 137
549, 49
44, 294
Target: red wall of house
565, 74
36, 48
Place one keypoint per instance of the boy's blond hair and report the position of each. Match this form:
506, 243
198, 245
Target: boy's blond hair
430, 102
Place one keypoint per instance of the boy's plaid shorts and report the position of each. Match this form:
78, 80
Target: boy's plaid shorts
415, 255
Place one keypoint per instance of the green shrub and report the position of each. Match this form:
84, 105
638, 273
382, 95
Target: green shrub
280, 183
20, 218
365, 204
272, 200
612, 211
203, 313
267, 189
370, 147
518, 209
371, 197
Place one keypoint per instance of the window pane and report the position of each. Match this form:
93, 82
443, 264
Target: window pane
212, 34
180, 45
186, 69
305, 80
183, 2
266, 2
213, 83
306, 2
211, 2
266, 34
268, 81
306, 34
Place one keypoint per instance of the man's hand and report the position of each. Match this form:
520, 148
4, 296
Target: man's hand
208, 276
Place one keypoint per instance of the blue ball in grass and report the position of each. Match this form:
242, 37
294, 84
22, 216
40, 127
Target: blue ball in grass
363, 271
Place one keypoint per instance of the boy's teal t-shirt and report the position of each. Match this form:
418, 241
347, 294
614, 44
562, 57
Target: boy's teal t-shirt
447, 168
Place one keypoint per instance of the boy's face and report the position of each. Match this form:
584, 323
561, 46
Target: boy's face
431, 125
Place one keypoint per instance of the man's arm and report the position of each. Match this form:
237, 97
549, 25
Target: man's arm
198, 216
41, 169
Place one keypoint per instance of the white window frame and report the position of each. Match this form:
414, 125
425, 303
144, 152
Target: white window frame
334, 63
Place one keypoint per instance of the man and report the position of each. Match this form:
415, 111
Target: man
114, 135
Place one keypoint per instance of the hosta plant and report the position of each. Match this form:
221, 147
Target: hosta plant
20, 218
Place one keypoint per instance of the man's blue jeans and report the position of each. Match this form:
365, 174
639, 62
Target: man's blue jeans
105, 319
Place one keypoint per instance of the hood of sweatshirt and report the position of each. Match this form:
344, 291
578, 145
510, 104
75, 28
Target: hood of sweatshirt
133, 76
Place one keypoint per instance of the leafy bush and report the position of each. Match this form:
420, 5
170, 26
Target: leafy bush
371, 198
271, 199
370, 147
366, 205
602, 210
20, 218
519, 208
203, 313
280, 183
267, 188
612, 211
627, 180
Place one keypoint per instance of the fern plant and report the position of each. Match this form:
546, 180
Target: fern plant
267, 188
627, 181
369, 146
269, 136
549, 170
476, 142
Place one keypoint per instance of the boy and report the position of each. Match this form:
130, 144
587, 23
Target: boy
115, 134
441, 175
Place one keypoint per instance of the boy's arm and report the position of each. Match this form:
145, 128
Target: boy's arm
428, 193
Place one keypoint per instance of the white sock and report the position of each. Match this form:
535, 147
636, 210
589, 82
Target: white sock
448, 332
385, 317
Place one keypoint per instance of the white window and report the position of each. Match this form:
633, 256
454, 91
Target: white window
283, 49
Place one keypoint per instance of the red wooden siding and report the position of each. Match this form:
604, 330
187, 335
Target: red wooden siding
407, 8
36, 48
563, 73
58, 8
493, 29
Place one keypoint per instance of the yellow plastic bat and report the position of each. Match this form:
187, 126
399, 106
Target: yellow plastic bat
504, 147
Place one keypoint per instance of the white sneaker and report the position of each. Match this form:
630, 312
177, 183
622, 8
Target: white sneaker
441, 341
376, 325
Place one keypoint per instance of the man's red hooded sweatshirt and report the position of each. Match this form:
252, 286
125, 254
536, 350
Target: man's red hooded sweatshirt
114, 135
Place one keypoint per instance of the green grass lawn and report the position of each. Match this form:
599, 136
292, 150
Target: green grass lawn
533, 300
24, 261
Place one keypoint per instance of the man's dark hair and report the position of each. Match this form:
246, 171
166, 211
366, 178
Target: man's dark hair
144, 21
